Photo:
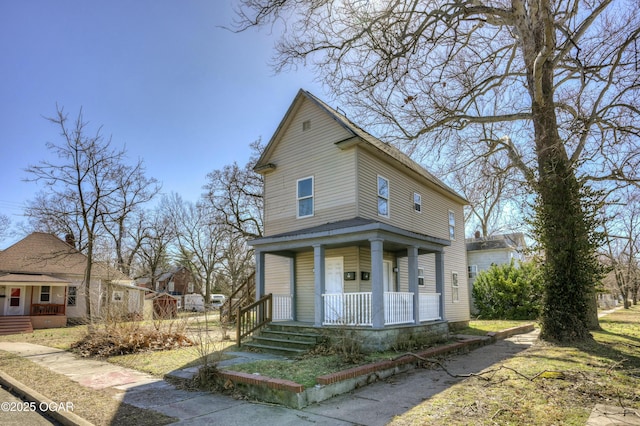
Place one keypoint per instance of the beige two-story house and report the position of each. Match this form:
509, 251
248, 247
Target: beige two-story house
356, 233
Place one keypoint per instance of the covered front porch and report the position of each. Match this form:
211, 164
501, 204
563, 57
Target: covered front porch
355, 273
41, 298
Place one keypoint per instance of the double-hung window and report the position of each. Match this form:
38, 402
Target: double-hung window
383, 196
452, 225
305, 197
71, 296
417, 202
45, 293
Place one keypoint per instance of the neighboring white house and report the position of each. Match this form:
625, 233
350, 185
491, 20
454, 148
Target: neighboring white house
355, 232
41, 279
482, 252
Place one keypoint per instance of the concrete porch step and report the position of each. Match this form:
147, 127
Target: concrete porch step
277, 350
280, 341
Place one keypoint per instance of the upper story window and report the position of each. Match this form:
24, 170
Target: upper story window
417, 202
473, 271
383, 196
452, 225
305, 197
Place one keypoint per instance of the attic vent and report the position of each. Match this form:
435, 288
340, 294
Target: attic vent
306, 125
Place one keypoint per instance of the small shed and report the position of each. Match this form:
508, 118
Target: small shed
165, 306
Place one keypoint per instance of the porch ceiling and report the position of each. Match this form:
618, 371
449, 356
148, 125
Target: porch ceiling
32, 279
352, 232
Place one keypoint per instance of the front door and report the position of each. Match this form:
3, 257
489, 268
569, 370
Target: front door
333, 288
14, 304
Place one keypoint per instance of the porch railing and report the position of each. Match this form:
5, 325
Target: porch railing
347, 309
398, 308
282, 307
253, 317
38, 309
355, 309
430, 307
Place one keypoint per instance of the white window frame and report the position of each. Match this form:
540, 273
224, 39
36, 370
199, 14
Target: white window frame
306, 197
452, 225
455, 287
421, 276
473, 271
47, 293
72, 297
384, 198
417, 202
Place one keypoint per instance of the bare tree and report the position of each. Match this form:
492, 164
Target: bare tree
236, 196
155, 237
5, 224
557, 80
81, 186
622, 236
134, 190
199, 238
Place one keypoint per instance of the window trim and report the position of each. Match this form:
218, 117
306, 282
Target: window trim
47, 294
421, 277
417, 207
452, 225
473, 271
381, 197
298, 198
73, 296
455, 287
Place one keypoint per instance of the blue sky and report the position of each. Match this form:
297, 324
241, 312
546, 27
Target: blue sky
160, 76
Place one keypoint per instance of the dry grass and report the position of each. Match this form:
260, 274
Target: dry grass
97, 406
547, 384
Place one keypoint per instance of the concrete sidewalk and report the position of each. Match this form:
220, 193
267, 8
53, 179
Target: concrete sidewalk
371, 405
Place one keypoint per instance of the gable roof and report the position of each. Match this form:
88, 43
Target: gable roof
358, 135
42, 253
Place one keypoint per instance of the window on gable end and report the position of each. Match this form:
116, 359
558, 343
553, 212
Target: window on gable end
305, 197
383, 196
417, 202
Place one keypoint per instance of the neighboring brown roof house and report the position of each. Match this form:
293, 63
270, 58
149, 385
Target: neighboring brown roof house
42, 253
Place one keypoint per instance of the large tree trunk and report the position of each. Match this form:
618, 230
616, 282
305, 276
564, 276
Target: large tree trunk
563, 229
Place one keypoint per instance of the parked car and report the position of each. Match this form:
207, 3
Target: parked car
217, 300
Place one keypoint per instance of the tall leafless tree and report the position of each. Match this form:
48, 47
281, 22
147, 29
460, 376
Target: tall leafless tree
83, 182
558, 80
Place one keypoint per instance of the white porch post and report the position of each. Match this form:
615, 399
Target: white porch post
260, 284
318, 268
377, 283
412, 254
440, 281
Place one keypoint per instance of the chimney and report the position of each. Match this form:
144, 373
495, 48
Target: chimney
477, 235
70, 240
